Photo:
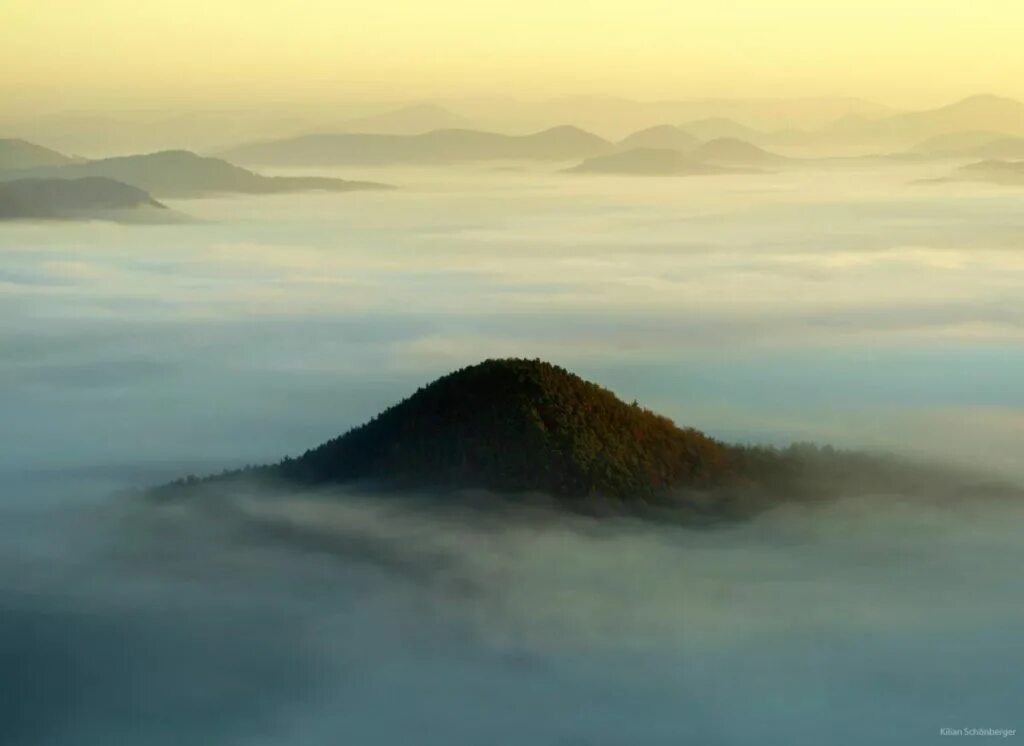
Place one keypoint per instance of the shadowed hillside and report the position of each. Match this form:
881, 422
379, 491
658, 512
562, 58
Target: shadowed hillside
646, 162
182, 173
661, 137
983, 113
995, 172
20, 154
713, 128
90, 197
517, 425
1002, 148
732, 151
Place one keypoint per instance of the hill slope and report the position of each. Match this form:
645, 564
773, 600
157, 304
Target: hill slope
1010, 173
70, 198
1003, 148
646, 162
20, 154
664, 136
732, 151
439, 146
183, 173
983, 113
517, 425
713, 128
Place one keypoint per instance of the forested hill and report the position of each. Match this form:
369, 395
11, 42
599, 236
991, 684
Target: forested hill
514, 426
517, 425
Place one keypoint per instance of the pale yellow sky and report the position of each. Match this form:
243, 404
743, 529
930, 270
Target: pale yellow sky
200, 52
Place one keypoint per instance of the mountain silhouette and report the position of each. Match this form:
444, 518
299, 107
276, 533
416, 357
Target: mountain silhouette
85, 198
954, 142
983, 113
994, 148
439, 146
181, 173
662, 137
713, 128
731, 151
1010, 173
646, 162
617, 117
18, 154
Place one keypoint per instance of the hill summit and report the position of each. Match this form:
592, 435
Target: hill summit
516, 425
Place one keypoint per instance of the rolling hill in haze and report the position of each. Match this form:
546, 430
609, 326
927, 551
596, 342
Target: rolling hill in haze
714, 128
1010, 173
968, 148
18, 154
954, 142
663, 137
983, 113
646, 162
732, 151
616, 117
440, 146
73, 199
180, 173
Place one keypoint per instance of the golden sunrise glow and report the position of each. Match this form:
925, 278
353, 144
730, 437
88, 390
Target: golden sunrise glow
902, 52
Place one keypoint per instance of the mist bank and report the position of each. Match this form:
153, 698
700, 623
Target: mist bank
263, 617
856, 310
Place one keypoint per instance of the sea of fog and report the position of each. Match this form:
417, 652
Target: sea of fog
846, 305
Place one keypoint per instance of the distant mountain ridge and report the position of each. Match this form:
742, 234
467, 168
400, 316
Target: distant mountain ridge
1010, 173
646, 162
972, 146
982, 113
439, 146
616, 117
721, 156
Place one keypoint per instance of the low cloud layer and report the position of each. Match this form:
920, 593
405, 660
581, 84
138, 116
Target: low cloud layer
258, 618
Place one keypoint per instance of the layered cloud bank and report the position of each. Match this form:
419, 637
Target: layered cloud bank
263, 618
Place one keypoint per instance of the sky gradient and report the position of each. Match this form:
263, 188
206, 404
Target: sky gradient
137, 53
